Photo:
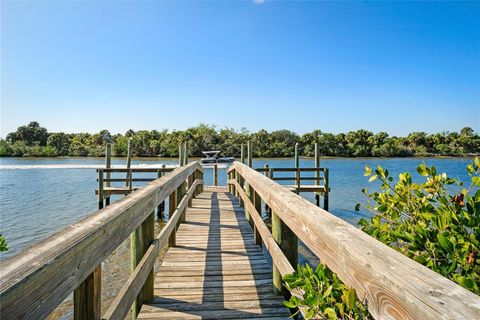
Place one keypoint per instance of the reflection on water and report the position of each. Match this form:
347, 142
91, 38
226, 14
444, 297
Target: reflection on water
35, 202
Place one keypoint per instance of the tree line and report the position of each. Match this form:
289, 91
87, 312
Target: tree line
35, 140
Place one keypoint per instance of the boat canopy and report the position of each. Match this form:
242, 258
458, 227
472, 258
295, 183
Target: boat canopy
210, 154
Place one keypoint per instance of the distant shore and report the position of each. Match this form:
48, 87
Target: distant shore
32, 140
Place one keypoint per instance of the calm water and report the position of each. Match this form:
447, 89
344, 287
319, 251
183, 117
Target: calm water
40, 196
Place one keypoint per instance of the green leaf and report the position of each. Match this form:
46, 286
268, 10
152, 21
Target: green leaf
422, 169
476, 181
357, 207
330, 313
289, 304
445, 243
368, 171
466, 282
373, 178
420, 259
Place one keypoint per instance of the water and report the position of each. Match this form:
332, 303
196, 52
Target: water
39, 196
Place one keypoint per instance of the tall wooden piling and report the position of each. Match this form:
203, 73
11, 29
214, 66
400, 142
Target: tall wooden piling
128, 182
297, 167
249, 154
215, 174
242, 153
185, 153
180, 155
108, 165
317, 172
161, 207
327, 190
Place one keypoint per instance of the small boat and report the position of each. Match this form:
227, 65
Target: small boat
211, 157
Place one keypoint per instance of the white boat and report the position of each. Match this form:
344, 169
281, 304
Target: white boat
211, 157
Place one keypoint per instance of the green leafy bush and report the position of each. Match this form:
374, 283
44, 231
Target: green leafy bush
321, 295
428, 222
3, 243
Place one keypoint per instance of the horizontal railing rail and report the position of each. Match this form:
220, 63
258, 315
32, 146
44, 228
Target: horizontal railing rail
393, 285
37, 280
264, 169
159, 169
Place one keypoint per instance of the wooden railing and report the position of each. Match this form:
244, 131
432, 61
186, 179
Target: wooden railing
34, 282
392, 285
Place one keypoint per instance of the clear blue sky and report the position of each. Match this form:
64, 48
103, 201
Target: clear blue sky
334, 66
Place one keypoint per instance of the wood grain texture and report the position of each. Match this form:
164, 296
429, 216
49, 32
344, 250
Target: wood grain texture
394, 286
37, 280
216, 271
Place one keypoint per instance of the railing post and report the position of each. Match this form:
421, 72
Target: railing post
140, 241
327, 190
161, 207
268, 174
172, 205
257, 202
191, 179
200, 174
228, 184
87, 297
136, 254
288, 242
248, 191
148, 234
180, 194
215, 175
240, 182
100, 189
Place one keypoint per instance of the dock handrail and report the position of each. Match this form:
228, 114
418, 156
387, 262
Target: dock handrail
393, 285
37, 280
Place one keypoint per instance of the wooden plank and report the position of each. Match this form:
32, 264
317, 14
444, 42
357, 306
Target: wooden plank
37, 280
393, 285
214, 271
214, 314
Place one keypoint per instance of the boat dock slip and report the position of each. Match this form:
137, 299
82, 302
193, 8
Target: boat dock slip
214, 266
215, 270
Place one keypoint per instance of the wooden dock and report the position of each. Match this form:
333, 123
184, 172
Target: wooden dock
215, 271
215, 265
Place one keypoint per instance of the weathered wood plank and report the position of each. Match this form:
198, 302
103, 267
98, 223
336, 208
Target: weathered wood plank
216, 270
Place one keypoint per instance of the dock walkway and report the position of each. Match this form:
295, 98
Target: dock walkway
215, 271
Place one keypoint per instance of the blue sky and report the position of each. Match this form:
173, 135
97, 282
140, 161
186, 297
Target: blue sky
334, 66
